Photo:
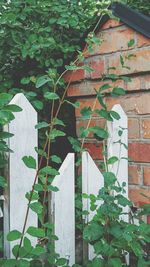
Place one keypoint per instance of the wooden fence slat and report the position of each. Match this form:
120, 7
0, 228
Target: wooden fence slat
20, 178
63, 209
92, 182
120, 168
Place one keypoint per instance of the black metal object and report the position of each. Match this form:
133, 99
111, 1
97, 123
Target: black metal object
134, 19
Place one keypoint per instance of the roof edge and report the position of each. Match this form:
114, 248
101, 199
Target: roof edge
133, 18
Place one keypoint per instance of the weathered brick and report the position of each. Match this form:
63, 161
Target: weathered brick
146, 81
134, 85
98, 67
133, 128
111, 23
142, 40
110, 41
86, 88
146, 173
138, 63
139, 152
135, 173
146, 128
137, 104
95, 150
137, 198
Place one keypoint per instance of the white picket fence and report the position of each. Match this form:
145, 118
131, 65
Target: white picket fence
20, 179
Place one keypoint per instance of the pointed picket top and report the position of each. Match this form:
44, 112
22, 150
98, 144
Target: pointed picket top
20, 178
63, 209
20, 100
118, 132
92, 182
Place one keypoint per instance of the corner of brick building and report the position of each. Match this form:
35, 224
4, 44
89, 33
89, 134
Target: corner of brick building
136, 102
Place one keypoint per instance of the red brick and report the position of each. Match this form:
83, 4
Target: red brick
139, 152
133, 128
95, 150
134, 174
148, 219
137, 198
146, 175
142, 40
139, 63
111, 23
73, 76
146, 128
98, 67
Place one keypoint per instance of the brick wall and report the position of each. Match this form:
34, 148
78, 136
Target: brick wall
136, 103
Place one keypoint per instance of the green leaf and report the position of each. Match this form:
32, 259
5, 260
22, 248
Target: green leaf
49, 170
93, 232
14, 235
12, 108
51, 96
36, 232
38, 250
97, 262
76, 145
117, 91
5, 99
58, 122
72, 67
104, 114
109, 178
36, 207
86, 113
115, 262
29, 161
56, 133
75, 105
53, 188
121, 60
25, 80
56, 159
114, 115
98, 131
23, 263
37, 104
42, 124
131, 43
105, 86
27, 244
42, 80
5, 135
10, 263
137, 249
3, 182
112, 160
61, 262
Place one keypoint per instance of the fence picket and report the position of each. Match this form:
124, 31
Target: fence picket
63, 209
92, 182
20, 178
120, 168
